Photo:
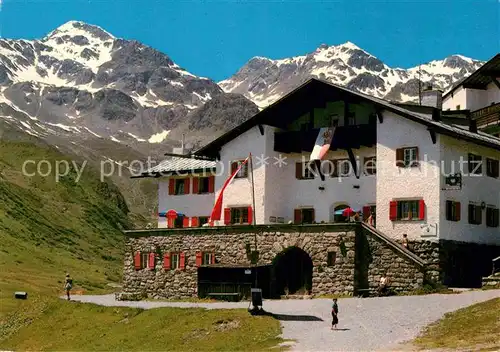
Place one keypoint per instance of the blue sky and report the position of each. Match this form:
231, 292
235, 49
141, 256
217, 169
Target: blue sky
215, 38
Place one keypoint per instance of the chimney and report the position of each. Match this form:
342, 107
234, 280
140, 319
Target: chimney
432, 97
472, 126
182, 149
436, 114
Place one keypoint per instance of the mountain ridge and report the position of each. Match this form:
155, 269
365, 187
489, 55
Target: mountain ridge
80, 80
264, 80
81, 83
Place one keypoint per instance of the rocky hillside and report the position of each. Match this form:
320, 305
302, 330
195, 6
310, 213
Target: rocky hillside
80, 82
264, 80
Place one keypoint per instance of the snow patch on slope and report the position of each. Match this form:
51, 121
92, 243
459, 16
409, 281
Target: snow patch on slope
159, 137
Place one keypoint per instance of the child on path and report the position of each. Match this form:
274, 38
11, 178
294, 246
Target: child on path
68, 285
335, 312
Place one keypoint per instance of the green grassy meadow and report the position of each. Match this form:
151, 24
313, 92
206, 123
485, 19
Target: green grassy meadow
48, 228
472, 328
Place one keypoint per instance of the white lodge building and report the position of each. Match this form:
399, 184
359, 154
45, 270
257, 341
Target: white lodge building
391, 160
386, 159
424, 172
479, 96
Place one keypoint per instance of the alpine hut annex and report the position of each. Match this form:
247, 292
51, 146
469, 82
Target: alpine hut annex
411, 167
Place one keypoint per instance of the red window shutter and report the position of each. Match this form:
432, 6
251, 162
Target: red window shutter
194, 221
393, 210
211, 184
182, 258
186, 185
298, 171
195, 185
227, 216
151, 263
400, 155
366, 212
213, 258
421, 209
185, 221
297, 216
166, 261
417, 162
250, 215
457, 211
137, 260
171, 186
199, 258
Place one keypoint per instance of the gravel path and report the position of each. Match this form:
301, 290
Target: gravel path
366, 324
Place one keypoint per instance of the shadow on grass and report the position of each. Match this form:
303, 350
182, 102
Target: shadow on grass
286, 317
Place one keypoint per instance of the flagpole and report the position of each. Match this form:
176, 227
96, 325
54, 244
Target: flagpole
253, 217
253, 191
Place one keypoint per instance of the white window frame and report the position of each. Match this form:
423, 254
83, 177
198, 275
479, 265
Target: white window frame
405, 210
144, 260
175, 260
410, 156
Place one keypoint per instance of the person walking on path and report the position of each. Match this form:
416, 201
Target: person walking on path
68, 285
335, 312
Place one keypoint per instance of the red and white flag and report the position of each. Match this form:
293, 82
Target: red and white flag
323, 142
217, 210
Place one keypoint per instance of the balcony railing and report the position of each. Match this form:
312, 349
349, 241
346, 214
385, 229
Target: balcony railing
487, 115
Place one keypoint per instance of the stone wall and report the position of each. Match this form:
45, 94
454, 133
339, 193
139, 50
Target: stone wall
230, 245
456, 264
375, 259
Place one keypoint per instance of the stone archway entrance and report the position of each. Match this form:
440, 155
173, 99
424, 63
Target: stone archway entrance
291, 271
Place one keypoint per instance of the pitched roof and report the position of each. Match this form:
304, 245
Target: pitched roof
316, 92
176, 165
480, 78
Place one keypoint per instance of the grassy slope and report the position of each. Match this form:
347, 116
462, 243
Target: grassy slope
49, 228
173, 329
474, 327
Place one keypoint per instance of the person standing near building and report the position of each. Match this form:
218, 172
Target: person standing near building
68, 285
383, 286
405, 241
335, 312
369, 220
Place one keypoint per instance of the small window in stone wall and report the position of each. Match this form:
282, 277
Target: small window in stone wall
175, 261
144, 260
332, 256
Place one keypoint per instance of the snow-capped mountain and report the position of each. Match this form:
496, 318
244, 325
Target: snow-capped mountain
80, 81
264, 80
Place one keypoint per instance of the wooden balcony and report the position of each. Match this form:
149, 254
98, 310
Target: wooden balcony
345, 137
487, 116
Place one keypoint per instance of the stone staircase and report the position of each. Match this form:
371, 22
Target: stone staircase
394, 245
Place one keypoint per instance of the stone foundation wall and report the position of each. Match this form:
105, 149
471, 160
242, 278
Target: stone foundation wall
230, 245
456, 264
